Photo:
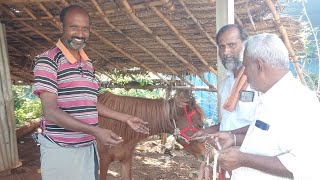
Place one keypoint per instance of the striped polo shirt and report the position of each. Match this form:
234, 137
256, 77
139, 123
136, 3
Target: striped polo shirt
76, 87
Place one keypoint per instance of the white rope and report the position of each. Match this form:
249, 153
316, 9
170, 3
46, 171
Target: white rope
214, 166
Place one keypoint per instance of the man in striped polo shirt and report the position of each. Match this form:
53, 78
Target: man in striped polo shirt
66, 84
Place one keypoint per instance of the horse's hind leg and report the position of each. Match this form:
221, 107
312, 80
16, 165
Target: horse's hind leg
126, 169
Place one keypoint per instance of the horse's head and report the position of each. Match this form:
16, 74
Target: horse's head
188, 118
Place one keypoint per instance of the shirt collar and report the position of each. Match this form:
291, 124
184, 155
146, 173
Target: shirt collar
276, 89
68, 54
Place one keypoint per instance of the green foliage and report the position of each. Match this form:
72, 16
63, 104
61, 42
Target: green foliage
123, 79
26, 105
138, 79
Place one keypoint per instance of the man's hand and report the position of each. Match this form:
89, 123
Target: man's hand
224, 138
138, 124
107, 137
203, 133
200, 133
230, 158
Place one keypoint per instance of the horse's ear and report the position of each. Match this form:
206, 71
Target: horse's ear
181, 95
184, 95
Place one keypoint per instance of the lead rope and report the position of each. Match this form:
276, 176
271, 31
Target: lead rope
177, 133
213, 165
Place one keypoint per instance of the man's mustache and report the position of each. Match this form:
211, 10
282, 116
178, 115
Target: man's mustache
228, 57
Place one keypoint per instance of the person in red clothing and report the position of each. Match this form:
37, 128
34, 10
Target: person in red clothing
66, 84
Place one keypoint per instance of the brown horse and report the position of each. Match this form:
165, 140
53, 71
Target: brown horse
160, 114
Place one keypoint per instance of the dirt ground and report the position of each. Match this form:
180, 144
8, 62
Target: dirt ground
149, 163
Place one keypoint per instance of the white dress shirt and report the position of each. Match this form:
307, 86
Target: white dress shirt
292, 113
242, 115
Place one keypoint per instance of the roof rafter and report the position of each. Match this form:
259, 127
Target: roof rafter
106, 20
286, 40
193, 69
108, 42
183, 39
195, 20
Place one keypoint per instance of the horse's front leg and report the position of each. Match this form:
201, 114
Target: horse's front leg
126, 168
104, 162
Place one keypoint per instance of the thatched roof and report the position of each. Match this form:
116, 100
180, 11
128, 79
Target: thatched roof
162, 36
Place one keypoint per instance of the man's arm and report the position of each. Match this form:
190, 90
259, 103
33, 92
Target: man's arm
232, 158
135, 123
270, 165
212, 129
63, 119
204, 132
109, 113
242, 130
239, 135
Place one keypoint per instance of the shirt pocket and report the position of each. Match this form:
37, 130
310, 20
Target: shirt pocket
262, 142
246, 111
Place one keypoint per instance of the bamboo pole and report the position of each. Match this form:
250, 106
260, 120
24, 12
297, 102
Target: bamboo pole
34, 18
26, 37
106, 41
169, 5
194, 88
23, 1
106, 20
48, 13
5, 140
24, 44
193, 69
238, 20
165, 135
8, 137
183, 39
10, 108
4, 164
286, 40
110, 11
195, 20
29, 26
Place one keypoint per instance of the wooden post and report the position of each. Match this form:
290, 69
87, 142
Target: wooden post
224, 16
165, 135
8, 143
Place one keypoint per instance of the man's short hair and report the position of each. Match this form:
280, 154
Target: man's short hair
243, 33
65, 11
269, 48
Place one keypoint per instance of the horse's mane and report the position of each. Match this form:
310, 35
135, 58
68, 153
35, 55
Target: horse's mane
157, 112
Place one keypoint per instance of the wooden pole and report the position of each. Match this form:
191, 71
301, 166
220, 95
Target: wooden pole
183, 39
9, 150
165, 135
139, 22
193, 88
104, 17
195, 20
286, 40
